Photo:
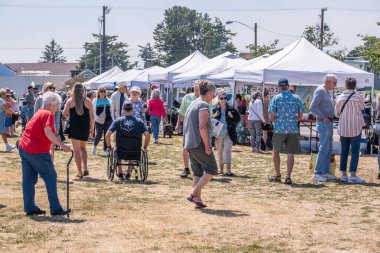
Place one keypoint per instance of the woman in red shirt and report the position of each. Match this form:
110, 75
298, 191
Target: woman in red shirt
34, 148
156, 111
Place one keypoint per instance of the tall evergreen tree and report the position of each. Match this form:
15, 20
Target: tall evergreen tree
148, 55
53, 53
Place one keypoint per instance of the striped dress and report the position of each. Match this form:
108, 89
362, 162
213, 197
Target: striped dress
351, 120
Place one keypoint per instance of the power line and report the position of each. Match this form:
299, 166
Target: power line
262, 28
163, 9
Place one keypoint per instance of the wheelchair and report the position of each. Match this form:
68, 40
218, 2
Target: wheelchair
129, 153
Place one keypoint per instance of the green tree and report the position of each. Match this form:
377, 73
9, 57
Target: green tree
370, 51
312, 34
258, 50
116, 54
53, 53
183, 31
148, 55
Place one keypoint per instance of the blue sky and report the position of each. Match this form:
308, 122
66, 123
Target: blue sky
27, 26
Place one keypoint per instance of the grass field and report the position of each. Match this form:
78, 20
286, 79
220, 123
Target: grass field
245, 213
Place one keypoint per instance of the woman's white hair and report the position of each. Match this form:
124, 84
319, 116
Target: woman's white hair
329, 77
49, 98
155, 94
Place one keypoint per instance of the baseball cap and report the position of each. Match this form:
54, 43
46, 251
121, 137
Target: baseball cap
30, 86
283, 82
127, 105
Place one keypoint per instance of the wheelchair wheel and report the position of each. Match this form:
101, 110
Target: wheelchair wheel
111, 166
144, 166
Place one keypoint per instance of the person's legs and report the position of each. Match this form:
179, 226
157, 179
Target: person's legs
98, 133
378, 156
219, 142
5, 138
77, 155
83, 154
44, 166
345, 148
259, 133
197, 191
227, 154
29, 179
355, 147
106, 125
276, 162
289, 165
186, 158
265, 137
253, 134
325, 145
155, 126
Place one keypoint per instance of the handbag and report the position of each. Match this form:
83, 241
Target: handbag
101, 118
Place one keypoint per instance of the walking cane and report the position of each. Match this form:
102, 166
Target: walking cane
68, 184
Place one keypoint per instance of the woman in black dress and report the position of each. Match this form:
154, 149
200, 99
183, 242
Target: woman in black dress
79, 110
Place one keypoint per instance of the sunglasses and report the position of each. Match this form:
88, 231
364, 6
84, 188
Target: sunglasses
51, 88
222, 98
102, 91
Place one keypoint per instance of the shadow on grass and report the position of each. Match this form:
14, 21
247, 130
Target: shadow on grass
56, 219
314, 186
2, 206
165, 144
64, 182
223, 180
90, 180
148, 182
152, 163
365, 184
223, 213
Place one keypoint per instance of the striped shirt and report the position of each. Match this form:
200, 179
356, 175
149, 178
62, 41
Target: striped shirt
351, 120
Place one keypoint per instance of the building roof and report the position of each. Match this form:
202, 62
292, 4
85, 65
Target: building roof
46, 68
5, 70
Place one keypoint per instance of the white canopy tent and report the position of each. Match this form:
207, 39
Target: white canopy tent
189, 63
126, 76
209, 67
95, 82
227, 76
302, 64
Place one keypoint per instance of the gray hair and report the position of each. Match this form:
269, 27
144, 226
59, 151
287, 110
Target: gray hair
155, 94
329, 77
50, 98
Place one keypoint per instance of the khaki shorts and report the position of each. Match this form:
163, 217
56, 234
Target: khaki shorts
290, 141
201, 162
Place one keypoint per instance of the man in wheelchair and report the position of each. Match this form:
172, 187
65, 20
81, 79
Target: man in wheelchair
129, 132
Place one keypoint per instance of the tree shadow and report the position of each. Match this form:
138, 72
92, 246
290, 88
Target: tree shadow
2, 206
222, 180
57, 219
224, 213
305, 186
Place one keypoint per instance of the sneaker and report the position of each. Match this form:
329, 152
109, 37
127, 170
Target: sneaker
343, 179
36, 212
319, 178
9, 148
356, 180
105, 154
93, 150
60, 211
260, 151
329, 177
185, 173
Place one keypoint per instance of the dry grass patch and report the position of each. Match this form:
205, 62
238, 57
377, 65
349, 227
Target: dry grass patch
245, 214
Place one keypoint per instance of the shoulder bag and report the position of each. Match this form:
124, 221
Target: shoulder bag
101, 118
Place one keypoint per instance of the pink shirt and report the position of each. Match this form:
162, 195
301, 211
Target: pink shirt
351, 120
156, 107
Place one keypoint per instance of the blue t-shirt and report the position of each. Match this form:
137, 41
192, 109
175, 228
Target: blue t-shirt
286, 106
24, 111
224, 131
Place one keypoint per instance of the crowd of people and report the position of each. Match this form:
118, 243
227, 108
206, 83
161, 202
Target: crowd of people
83, 115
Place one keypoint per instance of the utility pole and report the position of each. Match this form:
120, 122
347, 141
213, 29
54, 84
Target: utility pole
322, 27
104, 39
255, 28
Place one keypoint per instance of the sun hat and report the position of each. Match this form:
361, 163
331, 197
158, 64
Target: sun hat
136, 89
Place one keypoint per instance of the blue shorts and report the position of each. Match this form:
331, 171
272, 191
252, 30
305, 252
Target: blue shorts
8, 122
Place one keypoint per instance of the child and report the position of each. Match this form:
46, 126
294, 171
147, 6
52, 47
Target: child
24, 114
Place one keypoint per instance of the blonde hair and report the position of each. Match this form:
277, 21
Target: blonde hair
79, 96
46, 86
